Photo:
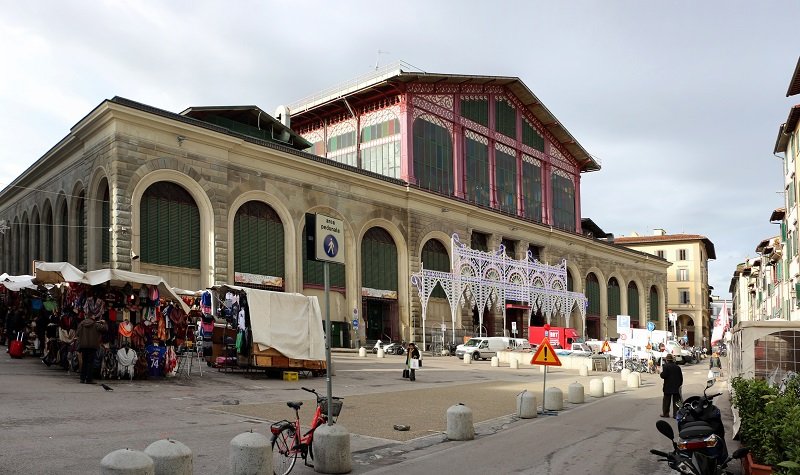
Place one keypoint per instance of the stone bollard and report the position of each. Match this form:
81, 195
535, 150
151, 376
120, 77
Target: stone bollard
553, 399
634, 380
459, 423
170, 457
526, 405
250, 454
584, 371
332, 449
576, 393
362, 352
596, 388
381, 353
624, 374
495, 362
127, 462
467, 358
542, 368
608, 385
514, 363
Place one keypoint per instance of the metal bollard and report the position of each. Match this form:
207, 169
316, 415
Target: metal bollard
459, 423
250, 454
170, 457
127, 462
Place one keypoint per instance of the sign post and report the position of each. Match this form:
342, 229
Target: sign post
545, 355
623, 327
325, 238
673, 317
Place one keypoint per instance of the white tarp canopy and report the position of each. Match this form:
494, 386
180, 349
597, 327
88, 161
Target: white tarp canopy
15, 283
56, 272
288, 322
119, 278
742, 351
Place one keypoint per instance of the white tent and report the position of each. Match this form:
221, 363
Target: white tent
16, 283
289, 322
754, 345
56, 272
119, 278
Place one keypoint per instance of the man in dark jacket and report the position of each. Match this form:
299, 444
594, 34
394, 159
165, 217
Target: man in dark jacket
673, 380
88, 342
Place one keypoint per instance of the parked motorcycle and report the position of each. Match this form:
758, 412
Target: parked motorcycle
389, 348
700, 427
695, 463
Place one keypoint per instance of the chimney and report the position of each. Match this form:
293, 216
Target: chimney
659, 232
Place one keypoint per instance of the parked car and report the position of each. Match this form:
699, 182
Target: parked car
482, 348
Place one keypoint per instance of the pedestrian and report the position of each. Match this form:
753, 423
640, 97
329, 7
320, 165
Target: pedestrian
673, 381
412, 361
714, 362
88, 342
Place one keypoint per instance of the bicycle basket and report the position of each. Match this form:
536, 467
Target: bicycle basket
336, 408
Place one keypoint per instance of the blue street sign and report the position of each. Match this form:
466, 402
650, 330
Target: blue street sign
355, 324
651, 326
331, 245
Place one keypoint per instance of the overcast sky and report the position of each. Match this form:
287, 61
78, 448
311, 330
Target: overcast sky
680, 100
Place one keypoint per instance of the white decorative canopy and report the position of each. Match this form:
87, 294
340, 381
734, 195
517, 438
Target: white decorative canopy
488, 279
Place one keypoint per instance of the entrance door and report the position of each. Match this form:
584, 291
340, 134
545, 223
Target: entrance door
516, 315
379, 316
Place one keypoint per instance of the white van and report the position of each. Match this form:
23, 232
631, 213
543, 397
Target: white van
482, 348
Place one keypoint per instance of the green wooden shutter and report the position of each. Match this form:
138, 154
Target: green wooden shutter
633, 302
593, 294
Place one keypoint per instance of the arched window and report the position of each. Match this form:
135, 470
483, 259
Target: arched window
435, 257
16, 257
563, 202
170, 226
654, 304
47, 232
570, 284
314, 273
64, 231
105, 227
25, 246
378, 260
506, 179
593, 294
633, 300
80, 221
433, 156
35, 238
258, 240
613, 297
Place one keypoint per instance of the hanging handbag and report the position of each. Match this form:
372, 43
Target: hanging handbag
406, 373
415, 363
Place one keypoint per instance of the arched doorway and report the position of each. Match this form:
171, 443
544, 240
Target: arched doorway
593, 309
258, 247
379, 285
633, 304
685, 329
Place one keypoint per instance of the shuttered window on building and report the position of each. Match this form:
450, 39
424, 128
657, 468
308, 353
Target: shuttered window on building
563, 202
47, 222
531, 137
633, 301
570, 283
314, 274
613, 297
653, 304
105, 231
532, 190
505, 118
170, 227
435, 257
593, 294
258, 240
477, 160
433, 157
476, 110
506, 181
378, 260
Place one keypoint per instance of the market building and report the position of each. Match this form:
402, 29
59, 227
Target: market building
405, 159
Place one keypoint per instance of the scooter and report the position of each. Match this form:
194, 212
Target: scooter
394, 349
700, 427
695, 463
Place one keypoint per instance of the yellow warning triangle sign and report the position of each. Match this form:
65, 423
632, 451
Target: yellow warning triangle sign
606, 347
545, 355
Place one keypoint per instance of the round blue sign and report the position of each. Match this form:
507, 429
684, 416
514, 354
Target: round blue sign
331, 245
355, 324
651, 326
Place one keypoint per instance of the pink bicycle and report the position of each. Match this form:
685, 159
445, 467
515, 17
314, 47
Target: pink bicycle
288, 441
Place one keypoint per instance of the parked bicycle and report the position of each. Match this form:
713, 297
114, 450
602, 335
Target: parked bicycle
288, 441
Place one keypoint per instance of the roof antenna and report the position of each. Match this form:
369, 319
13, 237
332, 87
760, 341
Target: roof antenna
378, 58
